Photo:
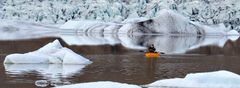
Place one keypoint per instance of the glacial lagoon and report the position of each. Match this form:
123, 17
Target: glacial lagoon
120, 58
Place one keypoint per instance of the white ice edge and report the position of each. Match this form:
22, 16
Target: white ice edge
52, 53
216, 79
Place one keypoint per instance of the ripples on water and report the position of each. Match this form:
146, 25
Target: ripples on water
121, 59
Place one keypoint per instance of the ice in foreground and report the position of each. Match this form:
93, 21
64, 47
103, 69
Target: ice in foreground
103, 84
52, 53
217, 79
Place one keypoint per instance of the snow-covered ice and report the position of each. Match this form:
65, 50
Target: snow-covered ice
101, 84
216, 79
233, 32
52, 53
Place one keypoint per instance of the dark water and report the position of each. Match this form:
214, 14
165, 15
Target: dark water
120, 63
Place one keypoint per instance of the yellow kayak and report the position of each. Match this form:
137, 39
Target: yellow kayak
152, 54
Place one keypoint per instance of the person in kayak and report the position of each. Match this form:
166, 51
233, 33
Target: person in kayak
151, 49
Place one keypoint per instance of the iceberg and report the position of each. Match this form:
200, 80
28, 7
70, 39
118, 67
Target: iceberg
101, 84
52, 53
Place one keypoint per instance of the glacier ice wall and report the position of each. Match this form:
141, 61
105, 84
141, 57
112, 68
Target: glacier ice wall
59, 11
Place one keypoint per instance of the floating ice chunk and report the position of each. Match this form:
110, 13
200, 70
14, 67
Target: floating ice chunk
52, 53
219, 79
175, 83
71, 57
50, 48
103, 84
233, 32
215, 79
26, 58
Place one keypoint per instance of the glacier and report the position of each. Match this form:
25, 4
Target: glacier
133, 33
167, 23
219, 79
52, 53
204, 11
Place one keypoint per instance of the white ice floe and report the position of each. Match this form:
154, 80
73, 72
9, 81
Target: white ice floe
101, 84
233, 32
217, 79
52, 53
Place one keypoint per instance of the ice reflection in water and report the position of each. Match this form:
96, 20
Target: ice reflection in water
49, 72
166, 44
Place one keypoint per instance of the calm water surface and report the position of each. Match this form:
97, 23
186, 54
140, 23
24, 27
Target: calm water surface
121, 60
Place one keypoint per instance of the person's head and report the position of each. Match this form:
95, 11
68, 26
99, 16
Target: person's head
152, 45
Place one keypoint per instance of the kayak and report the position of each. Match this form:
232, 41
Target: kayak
152, 54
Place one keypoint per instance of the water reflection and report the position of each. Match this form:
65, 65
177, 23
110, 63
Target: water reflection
116, 62
166, 44
151, 67
50, 72
229, 47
